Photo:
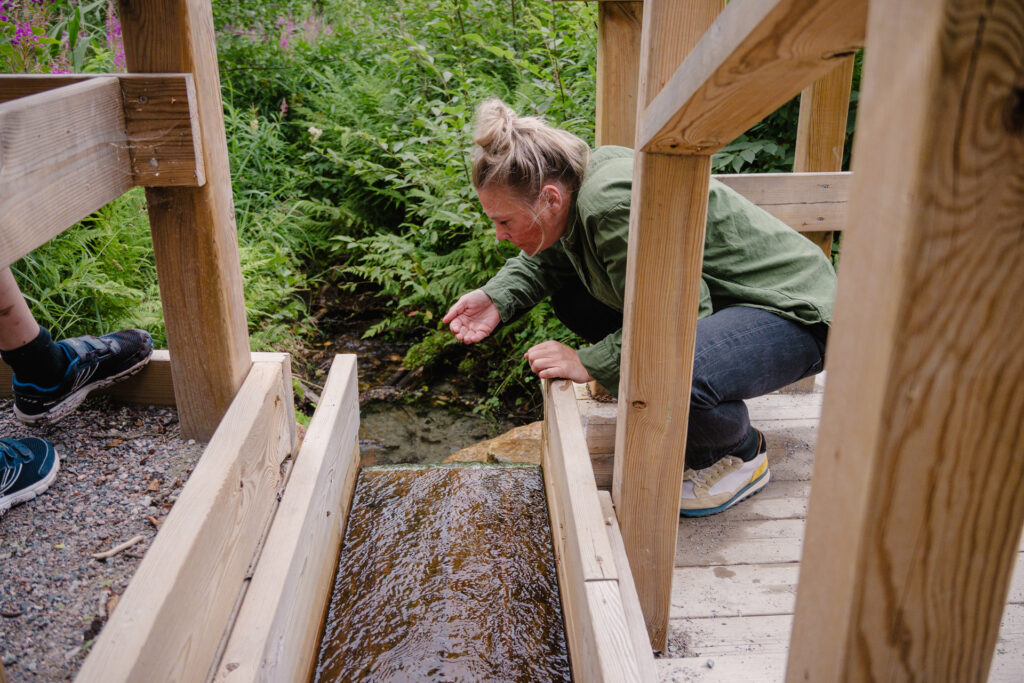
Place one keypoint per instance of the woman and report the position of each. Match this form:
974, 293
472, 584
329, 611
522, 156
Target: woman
766, 291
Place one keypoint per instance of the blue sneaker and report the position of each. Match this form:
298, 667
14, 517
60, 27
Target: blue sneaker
27, 468
96, 362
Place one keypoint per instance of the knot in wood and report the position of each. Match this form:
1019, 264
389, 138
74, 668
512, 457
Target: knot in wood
1013, 112
639, 405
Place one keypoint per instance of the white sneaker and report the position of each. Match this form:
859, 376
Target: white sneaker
727, 482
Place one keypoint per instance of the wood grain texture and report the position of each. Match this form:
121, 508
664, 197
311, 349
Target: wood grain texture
820, 139
821, 130
194, 237
806, 202
275, 635
755, 58
627, 591
917, 503
618, 71
666, 244
64, 155
162, 123
600, 645
171, 618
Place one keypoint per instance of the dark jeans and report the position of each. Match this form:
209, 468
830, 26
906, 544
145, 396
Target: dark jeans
741, 352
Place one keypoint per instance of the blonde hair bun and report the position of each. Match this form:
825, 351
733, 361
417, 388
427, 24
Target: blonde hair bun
524, 152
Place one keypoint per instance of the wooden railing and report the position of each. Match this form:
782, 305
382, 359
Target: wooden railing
918, 473
73, 143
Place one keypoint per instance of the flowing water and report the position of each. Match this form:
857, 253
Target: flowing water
446, 574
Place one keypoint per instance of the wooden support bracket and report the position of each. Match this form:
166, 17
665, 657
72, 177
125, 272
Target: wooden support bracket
738, 73
73, 144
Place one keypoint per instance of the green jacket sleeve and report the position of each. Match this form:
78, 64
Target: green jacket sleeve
524, 281
609, 232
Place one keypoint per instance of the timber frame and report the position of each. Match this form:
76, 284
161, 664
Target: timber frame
918, 500
911, 420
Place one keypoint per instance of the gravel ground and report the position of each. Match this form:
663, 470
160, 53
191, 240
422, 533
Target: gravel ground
121, 470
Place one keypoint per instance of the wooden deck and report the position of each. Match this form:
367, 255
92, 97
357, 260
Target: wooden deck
734, 585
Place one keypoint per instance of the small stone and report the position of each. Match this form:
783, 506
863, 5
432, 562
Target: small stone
710, 664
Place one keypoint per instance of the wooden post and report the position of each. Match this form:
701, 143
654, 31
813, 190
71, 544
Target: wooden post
666, 245
618, 71
918, 497
193, 229
820, 138
821, 129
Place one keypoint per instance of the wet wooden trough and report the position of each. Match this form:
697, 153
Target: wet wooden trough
236, 584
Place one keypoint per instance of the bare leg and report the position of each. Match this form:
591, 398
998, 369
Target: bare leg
17, 324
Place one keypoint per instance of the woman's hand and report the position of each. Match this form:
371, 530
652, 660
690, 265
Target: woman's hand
473, 317
553, 359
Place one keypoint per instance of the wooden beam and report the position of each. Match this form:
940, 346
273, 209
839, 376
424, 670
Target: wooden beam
820, 139
618, 71
806, 202
755, 58
666, 246
194, 236
627, 589
64, 156
71, 149
918, 497
170, 620
152, 386
275, 637
161, 127
600, 645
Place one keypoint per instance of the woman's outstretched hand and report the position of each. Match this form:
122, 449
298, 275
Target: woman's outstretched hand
552, 360
473, 317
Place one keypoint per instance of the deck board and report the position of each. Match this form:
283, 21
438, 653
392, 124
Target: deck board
734, 586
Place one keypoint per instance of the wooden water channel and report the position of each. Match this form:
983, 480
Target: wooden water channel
913, 526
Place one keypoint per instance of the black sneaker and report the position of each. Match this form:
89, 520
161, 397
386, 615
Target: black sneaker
27, 468
96, 362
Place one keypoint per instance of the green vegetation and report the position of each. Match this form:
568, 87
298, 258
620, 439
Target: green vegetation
348, 126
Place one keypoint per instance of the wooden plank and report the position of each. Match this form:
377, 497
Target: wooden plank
666, 243
162, 122
152, 386
64, 156
193, 228
627, 589
159, 119
734, 591
916, 513
596, 626
727, 669
755, 58
275, 637
713, 637
739, 542
171, 618
806, 202
618, 71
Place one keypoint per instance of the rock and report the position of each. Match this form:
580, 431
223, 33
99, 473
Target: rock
519, 445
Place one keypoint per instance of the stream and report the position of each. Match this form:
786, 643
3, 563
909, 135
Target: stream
400, 421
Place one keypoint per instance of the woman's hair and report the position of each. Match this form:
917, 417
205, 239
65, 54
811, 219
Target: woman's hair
524, 152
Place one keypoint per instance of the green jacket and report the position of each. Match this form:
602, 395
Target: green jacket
750, 259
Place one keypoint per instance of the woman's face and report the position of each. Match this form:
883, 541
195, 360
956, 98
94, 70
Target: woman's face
531, 227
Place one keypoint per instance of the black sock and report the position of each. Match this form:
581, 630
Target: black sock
751, 445
40, 362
